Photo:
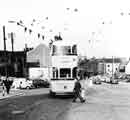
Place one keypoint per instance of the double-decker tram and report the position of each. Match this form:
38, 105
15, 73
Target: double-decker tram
64, 67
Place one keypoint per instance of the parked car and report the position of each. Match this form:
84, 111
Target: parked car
22, 83
26, 84
40, 83
107, 80
104, 78
123, 76
96, 80
115, 81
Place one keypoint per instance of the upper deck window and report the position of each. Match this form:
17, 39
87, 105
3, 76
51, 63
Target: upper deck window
64, 50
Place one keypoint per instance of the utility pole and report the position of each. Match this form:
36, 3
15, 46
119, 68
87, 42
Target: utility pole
5, 54
25, 65
12, 41
12, 54
4, 38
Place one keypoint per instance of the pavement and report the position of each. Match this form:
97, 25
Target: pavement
23, 92
12, 93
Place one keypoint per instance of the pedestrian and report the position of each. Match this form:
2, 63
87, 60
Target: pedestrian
7, 84
77, 91
83, 83
3, 88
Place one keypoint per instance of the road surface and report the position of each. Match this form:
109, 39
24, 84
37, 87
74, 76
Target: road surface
104, 102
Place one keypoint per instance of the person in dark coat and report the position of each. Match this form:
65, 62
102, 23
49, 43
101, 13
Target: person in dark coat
7, 84
3, 88
77, 91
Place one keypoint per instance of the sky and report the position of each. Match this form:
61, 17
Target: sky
101, 28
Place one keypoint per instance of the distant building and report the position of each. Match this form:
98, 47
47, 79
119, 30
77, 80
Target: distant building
88, 67
13, 63
113, 65
100, 66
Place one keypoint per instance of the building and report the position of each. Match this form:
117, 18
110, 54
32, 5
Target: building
13, 63
113, 65
100, 66
88, 67
39, 62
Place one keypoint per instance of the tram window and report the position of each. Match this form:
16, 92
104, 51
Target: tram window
65, 72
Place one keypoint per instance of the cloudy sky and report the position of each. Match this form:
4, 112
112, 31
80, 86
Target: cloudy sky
101, 28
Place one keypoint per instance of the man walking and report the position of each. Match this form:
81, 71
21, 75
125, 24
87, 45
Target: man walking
7, 84
77, 91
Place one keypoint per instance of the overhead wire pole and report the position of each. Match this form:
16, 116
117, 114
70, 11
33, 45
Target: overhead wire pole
12, 54
4, 38
5, 54
12, 41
